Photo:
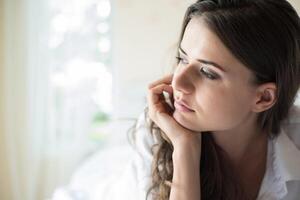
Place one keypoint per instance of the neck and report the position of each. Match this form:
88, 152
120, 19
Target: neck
243, 143
246, 149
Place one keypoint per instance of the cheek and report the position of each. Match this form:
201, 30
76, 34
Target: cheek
221, 109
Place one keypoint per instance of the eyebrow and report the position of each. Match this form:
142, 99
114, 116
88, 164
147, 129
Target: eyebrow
205, 61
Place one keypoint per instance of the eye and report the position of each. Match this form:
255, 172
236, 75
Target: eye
209, 75
203, 70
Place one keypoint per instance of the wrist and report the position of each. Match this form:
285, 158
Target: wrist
191, 150
192, 143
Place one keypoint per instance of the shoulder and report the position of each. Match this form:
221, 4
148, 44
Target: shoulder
287, 147
291, 126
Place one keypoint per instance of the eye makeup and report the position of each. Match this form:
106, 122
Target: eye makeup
203, 70
182, 52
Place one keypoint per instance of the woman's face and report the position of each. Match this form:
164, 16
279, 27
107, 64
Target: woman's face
221, 99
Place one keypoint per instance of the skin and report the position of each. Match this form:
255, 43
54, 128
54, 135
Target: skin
227, 107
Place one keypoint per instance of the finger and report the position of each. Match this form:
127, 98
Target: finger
155, 93
166, 80
169, 99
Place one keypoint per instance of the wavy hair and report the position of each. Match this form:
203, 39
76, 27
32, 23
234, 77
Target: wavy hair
265, 36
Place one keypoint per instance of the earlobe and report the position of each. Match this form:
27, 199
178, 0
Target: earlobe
266, 97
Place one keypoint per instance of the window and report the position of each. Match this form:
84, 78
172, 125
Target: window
79, 44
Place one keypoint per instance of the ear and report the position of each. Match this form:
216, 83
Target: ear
266, 97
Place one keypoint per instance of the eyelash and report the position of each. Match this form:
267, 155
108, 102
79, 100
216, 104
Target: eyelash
207, 75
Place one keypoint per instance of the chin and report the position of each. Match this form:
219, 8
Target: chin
183, 120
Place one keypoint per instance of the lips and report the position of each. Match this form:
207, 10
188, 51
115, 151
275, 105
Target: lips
180, 105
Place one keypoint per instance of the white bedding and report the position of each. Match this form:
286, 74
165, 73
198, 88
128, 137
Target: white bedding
116, 173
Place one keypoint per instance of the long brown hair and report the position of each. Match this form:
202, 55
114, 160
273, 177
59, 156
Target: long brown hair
265, 36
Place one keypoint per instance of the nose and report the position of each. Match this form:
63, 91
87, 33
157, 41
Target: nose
182, 82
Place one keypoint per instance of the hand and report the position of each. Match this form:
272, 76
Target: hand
161, 113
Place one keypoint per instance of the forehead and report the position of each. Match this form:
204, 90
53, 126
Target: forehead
199, 42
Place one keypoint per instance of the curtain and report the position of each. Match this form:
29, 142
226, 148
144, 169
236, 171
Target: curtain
34, 158
13, 100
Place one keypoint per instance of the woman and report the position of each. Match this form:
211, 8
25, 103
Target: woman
233, 132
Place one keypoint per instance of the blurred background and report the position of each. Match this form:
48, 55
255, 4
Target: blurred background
74, 76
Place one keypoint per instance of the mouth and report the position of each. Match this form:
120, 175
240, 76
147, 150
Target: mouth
182, 107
